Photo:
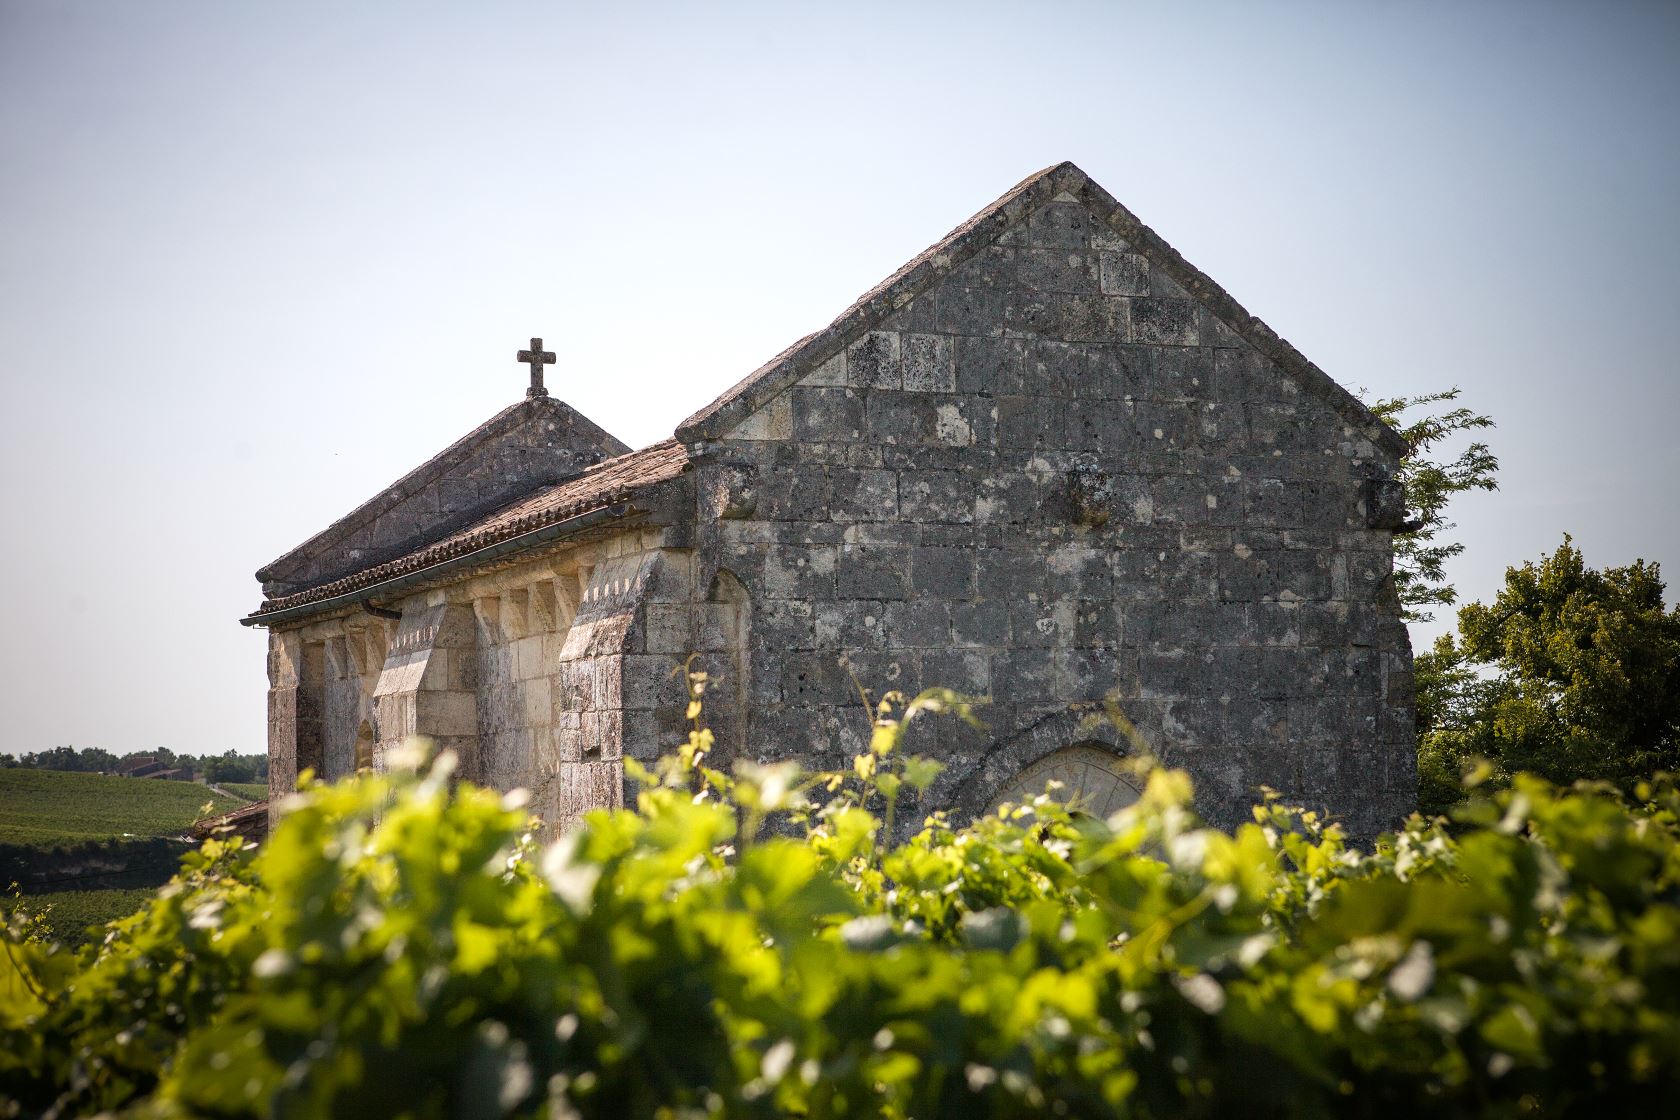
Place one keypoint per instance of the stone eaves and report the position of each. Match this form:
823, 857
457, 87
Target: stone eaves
939, 260
601, 487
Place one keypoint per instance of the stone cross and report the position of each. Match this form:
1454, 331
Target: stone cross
536, 357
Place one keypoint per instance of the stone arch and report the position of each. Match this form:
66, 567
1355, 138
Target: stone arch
1091, 778
1069, 740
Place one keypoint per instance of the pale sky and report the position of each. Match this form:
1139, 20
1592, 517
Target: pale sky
259, 260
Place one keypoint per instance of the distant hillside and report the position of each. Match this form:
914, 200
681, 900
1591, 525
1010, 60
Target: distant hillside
229, 766
45, 808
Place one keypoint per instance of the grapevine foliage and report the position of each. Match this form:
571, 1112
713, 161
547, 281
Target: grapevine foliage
749, 944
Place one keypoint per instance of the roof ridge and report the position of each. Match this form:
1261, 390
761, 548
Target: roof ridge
942, 257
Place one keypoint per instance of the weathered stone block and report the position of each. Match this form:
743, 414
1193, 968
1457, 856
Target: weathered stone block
936, 496
1057, 270
918, 625
880, 671
1006, 574
1124, 274
1039, 625
1029, 675
1384, 500
1060, 225
942, 573
799, 494
815, 678
1166, 322
1177, 373
529, 663
831, 372
862, 494
967, 672
872, 573
772, 422
980, 625
1027, 422
873, 362
827, 414
907, 418
446, 713
796, 572
668, 629
581, 786
956, 311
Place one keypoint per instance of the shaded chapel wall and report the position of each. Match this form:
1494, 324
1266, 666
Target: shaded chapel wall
521, 630
355, 651
1054, 478
428, 685
341, 710
600, 672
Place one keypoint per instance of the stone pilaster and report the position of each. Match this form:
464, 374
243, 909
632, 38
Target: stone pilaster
284, 654
590, 693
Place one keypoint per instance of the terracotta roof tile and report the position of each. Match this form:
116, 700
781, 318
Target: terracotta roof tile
603, 485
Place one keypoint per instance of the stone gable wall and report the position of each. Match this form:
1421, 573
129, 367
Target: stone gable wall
1054, 479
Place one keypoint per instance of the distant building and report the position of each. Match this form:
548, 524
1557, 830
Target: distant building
1047, 462
149, 766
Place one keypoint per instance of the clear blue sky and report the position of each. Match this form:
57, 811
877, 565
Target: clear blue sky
256, 261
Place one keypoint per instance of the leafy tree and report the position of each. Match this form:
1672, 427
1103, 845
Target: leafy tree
1570, 672
1421, 550
86, 760
230, 766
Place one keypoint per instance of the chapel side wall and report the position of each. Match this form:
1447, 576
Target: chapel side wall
341, 711
1053, 478
695, 618
521, 629
428, 685
613, 692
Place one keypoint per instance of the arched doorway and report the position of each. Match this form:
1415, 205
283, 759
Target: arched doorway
1093, 779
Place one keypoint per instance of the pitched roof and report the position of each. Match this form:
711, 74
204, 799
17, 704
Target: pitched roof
566, 437
600, 488
615, 480
940, 259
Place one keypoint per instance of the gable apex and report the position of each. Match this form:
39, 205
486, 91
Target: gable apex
1063, 182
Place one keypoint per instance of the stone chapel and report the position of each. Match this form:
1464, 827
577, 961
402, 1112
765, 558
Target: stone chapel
1047, 462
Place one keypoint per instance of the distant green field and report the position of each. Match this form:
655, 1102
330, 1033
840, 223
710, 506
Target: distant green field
256, 791
42, 808
69, 913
